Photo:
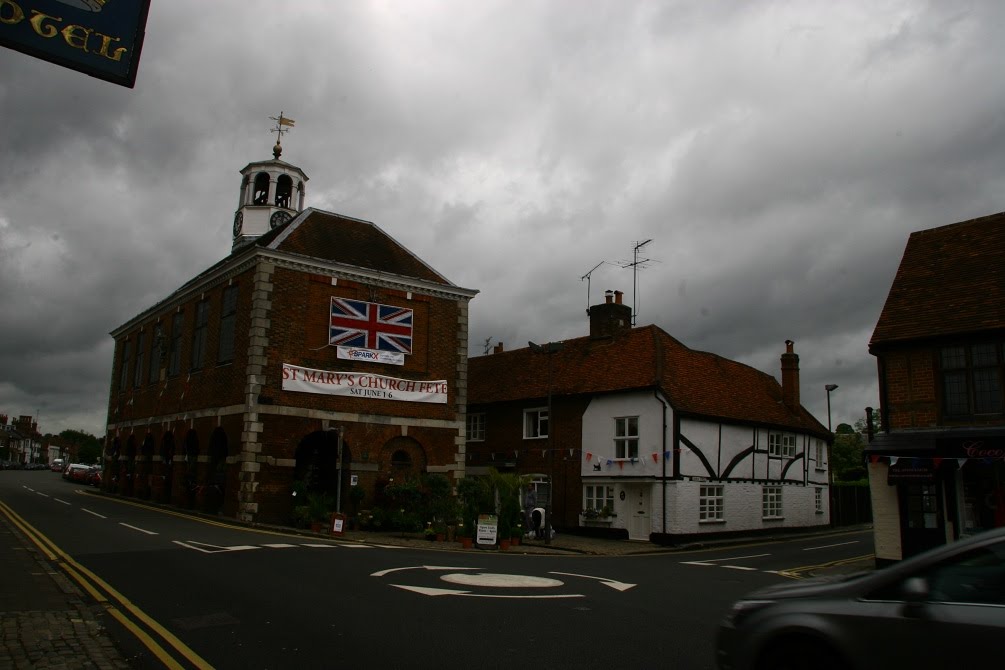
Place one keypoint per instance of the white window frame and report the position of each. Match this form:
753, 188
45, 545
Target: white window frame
820, 455
771, 503
711, 503
774, 444
476, 427
788, 445
818, 499
535, 423
598, 496
626, 443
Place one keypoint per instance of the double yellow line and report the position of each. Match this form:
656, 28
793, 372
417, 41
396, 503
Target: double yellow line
114, 603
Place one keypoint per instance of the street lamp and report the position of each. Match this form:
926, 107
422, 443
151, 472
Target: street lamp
550, 348
829, 388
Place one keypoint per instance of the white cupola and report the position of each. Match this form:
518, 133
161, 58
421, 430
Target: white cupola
272, 192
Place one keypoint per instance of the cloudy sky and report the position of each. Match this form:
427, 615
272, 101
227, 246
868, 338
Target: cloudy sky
776, 154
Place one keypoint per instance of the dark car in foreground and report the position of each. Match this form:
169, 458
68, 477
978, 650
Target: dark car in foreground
941, 609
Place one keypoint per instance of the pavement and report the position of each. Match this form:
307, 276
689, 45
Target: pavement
47, 622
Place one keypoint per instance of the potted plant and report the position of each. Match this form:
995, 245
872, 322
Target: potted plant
319, 510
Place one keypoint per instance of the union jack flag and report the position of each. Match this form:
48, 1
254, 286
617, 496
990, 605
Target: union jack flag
369, 325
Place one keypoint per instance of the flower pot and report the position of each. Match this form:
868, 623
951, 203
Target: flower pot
515, 540
504, 544
441, 537
466, 542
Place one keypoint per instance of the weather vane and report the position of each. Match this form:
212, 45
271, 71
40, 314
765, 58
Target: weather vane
281, 121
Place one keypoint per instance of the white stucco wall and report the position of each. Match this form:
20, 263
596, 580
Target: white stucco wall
598, 436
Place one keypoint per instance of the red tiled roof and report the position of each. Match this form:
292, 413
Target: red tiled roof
951, 280
351, 241
695, 382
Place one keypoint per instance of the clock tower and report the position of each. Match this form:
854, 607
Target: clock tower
272, 192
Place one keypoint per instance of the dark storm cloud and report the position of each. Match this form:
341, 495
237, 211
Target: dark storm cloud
777, 155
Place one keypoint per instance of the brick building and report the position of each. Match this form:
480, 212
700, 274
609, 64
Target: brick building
318, 334
633, 431
937, 471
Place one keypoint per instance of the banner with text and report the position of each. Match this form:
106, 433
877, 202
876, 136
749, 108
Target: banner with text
362, 385
370, 355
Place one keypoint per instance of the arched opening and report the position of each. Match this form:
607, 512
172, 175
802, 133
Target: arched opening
129, 467
167, 467
191, 478
216, 481
143, 467
260, 195
316, 475
284, 191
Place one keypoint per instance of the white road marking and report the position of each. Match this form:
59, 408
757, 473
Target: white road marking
279, 546
614, 584
320, 546
100, 516
501, 581
148, 532
710, 565
452, 592
734, 558
738, 567
44, 495
383, 573
207, 548
61, 501
828, 546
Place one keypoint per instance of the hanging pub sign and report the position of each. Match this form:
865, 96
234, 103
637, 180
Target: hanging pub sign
101, 38
362, 385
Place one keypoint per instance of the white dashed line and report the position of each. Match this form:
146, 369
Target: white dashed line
148, 532
100, 516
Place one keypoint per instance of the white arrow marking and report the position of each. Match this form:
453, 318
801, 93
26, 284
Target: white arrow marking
212, 548
734, 558
431, 592
711, 565
618, 586
382, 573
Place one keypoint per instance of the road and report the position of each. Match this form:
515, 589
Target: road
190, 592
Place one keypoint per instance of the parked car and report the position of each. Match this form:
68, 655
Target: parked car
944, 608
94, 475
76, 472
58, 465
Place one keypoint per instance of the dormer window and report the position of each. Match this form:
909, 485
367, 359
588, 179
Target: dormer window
261, 193
284, 191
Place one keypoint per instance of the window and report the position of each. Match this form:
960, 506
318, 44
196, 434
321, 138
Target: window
818, 500
771, 502
626, 437
972, 379
597, 497
782, 445
535, 423
789, 446
710, 503
156, 354
174, 347
228, 319
138, 365
199, 334
127, 353
476, 427
820, 454
774, 444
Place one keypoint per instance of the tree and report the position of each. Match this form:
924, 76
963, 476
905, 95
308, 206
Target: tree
847, 460
86, 446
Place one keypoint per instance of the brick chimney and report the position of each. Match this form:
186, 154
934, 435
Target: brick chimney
790, 377
498, 348
610, 318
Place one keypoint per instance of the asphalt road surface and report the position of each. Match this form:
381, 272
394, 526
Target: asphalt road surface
189, 592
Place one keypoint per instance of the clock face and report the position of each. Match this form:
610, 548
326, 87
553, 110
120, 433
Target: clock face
279, 218
238, 223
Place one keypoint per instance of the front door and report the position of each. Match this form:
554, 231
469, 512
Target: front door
922, 526
639, 525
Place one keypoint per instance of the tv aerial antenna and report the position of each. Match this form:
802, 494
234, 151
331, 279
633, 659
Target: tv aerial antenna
635, 264
587, 278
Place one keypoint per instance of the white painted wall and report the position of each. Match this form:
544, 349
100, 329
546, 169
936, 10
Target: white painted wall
598, 436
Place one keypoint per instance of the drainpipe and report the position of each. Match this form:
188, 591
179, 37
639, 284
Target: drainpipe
656, 394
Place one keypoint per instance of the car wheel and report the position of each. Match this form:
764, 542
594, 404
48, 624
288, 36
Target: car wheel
801, 654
